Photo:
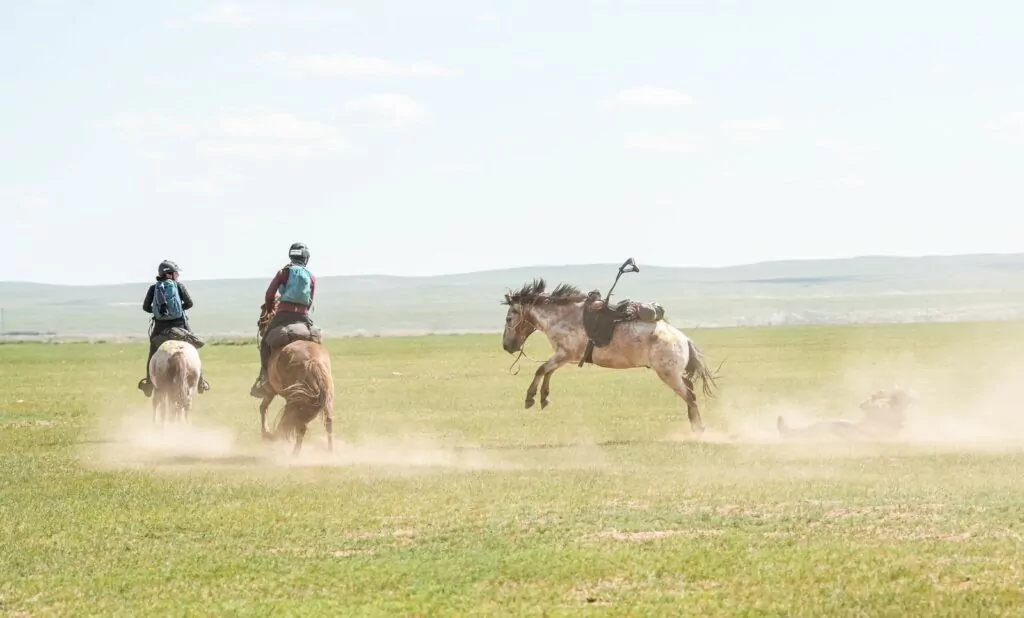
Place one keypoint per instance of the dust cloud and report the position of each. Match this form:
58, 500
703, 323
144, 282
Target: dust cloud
951, 411
134, 441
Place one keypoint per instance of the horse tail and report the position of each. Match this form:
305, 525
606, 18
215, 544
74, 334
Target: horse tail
177, 375
309, 396
695, 367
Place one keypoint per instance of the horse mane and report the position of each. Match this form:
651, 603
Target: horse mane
535, 292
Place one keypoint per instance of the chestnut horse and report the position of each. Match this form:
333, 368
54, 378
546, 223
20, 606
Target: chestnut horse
300, 372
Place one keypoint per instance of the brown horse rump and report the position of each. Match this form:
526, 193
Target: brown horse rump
176, 333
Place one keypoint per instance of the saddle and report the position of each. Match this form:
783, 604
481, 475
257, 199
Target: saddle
176, 333
599, 324
285, 334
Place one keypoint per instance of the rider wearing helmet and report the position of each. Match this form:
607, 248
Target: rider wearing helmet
296, 285
171, 300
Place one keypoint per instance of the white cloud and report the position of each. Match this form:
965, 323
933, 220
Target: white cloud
847, 151
451, 168
266, 135
252, 134
267, 151
359, 66
148, 124
196, 186
274, 126
648, 96
1008, 128
751, 131
386, 110
674, 144
1013, 121
236, 15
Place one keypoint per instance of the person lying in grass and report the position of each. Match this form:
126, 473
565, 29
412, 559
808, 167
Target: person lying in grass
884, 417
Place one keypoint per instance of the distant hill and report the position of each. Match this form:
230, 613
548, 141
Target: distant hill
865, 289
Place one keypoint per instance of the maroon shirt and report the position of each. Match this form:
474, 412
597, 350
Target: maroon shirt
280, 279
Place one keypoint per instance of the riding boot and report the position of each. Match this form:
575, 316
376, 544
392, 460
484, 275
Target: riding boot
203, 384
145, 385
259, 387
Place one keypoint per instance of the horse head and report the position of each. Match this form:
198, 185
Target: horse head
519, 323
532, 308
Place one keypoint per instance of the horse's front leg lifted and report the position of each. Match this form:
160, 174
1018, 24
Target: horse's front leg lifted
543, 372
532, 391
545, 387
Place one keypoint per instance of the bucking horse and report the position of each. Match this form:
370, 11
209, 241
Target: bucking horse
584, 328
299, 371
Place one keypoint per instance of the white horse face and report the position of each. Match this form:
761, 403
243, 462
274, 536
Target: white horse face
518, 326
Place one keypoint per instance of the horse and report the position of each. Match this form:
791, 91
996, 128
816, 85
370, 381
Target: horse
300, 372
174, 370
634, 343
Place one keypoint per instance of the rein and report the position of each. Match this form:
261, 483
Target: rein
264, 320
522, 352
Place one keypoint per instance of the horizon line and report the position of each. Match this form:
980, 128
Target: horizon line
577, 265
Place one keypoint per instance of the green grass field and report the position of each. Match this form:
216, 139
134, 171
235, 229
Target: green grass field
446, 497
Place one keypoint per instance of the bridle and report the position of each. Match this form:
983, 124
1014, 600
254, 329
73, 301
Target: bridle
522, 352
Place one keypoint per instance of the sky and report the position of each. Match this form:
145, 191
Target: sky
420, 138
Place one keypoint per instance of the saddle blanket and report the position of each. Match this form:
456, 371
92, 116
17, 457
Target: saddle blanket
176, 333
281, 336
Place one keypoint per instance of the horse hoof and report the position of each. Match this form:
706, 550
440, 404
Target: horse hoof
529, 403
544, 403
267, 436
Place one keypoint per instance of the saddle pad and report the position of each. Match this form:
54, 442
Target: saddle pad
283, 335
176, 333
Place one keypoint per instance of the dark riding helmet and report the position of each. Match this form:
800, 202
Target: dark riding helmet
299, 252
166, 267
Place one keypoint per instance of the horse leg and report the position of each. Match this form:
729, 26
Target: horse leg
683, 387
329, 424
300, 433
264, 406
692, 411
531, 392
545, 388
156, 408
544, 371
